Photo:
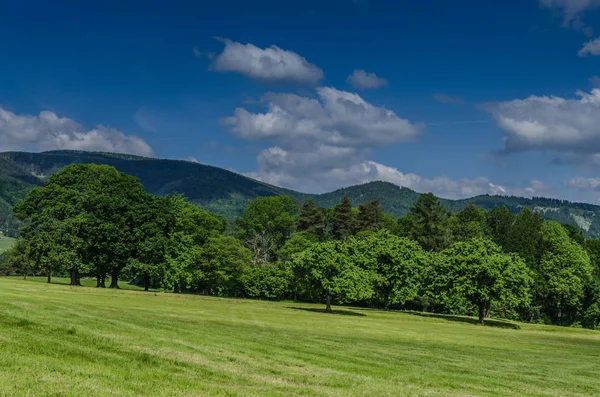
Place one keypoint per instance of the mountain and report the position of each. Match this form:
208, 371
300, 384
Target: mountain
227, 192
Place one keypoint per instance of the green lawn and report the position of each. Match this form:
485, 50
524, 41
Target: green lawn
59, 340
5, 243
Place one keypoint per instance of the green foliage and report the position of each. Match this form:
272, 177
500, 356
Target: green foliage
500, 222
343, 220
396, 264
312, 220
271, 282
525, 236
266, 224
564, 272
370, 216
428, 219
469, 223
480, 273
333, 273
297, 243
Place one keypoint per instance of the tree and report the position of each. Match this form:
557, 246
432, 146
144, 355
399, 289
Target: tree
470, 222
396, 263
312, 220
333, 274
19, 258
575, 233
500, 221
113, 208
428, 219
189, 230
525, 237
343, 221
221, 265
479, 272
565, 272
370, 216
267, 282
266, 224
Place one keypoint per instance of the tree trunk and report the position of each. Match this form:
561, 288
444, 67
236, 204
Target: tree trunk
488, 310
100, 281
481, 313
74, 273
114, 279
328, 304
146, 281
386, 302
49, 276
176, 288
25, 275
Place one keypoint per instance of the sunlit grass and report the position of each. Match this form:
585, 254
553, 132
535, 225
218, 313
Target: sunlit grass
61, 340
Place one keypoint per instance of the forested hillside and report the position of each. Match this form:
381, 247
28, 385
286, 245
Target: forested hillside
227, 193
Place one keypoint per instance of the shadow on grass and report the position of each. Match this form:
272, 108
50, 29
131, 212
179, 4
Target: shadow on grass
468, 320
337, 312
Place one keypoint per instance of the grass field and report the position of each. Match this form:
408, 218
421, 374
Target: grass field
57, 340
5, 243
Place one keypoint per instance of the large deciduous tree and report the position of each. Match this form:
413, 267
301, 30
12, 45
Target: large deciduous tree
395, 262
111, 209
565, 272
266, 224
333, 274
478, 271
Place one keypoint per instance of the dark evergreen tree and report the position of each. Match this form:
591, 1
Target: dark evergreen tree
429, 227
312, 220
343, 221
370, 216
500, 221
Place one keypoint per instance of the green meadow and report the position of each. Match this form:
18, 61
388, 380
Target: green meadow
57, 340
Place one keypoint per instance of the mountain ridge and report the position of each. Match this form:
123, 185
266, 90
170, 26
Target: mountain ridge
227, 192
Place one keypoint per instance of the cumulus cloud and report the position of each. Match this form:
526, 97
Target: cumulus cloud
270, 65
335, 117
443, 98
592, 47
570, 126
324, 143
362, 80
573, 11
47, 131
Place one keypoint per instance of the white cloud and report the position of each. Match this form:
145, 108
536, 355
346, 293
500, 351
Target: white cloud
47, 131
573, 11
324, 143
271, 65
336, 118
583, 184
551, 123
595, 81
592, 47
362, 80
300, 171
443, 98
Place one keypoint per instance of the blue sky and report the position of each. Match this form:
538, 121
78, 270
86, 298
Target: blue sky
455, 97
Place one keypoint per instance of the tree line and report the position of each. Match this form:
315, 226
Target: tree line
93, 221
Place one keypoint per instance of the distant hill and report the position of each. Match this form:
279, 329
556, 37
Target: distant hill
227, 192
